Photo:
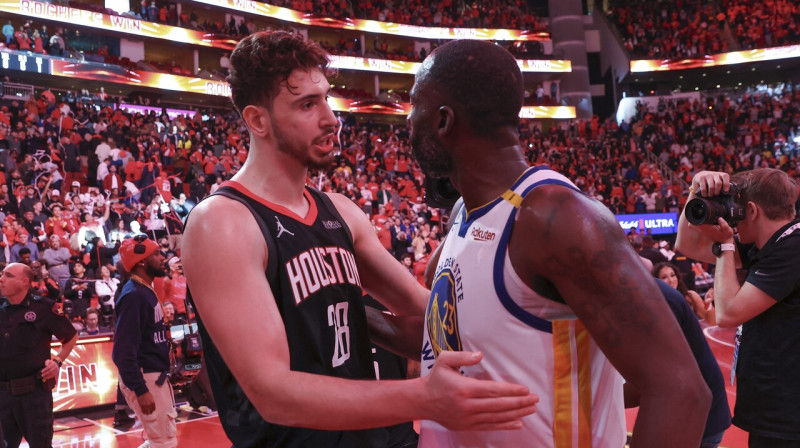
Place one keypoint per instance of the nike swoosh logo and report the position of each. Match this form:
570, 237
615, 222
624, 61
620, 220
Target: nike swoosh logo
763, 274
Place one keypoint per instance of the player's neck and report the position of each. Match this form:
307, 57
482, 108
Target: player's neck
484, 178
276, 177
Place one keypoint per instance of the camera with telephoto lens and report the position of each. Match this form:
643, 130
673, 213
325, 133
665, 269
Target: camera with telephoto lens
727, 206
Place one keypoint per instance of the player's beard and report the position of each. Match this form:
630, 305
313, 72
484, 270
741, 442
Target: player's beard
432, 157
301, 152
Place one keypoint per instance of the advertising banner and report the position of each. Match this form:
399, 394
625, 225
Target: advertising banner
655, 223
122, 75
129, 25
21, 61
391, 66
88, 376
373, 26
713, 60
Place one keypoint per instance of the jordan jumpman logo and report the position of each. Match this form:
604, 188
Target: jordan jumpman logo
281, 229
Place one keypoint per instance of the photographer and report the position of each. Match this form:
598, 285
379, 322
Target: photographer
767, 244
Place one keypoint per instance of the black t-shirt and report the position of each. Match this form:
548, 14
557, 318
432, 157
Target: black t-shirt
719, 416
26, 331
315, 283
768, 367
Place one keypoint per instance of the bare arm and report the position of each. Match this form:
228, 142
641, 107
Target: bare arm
736, 304
388, 282
400, 335
225, 258
697, 304
382, 276
430, 270
575, 243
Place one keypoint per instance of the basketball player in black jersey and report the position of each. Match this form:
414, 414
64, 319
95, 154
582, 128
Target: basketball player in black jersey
276, 271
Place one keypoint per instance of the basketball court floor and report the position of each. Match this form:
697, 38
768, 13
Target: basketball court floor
203, 429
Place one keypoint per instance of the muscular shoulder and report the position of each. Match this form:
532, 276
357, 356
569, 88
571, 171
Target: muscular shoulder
221, 232
554, 207
557, 224
352, 214
342, 203
219, 217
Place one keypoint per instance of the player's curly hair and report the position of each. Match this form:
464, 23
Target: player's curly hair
263, 61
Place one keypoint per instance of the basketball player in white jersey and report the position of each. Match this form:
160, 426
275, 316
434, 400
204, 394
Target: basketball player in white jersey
540, 278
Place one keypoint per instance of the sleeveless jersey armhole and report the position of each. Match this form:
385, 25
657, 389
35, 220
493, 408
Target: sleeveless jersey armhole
272, 260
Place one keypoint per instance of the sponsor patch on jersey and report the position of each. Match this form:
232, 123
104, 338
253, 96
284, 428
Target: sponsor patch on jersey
442, 314
331, 224
479, 234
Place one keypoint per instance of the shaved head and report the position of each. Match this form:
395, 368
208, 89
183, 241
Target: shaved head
479, 79
21, 270
15, 282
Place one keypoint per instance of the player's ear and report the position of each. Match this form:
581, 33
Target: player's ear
447, 119
257, 119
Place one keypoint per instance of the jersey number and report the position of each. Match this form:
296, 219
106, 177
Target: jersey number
337, 318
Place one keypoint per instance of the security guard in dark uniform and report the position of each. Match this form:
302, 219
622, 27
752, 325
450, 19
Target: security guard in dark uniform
27, 371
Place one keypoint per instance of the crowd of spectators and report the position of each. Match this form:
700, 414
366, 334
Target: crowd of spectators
657, 29
628, 165
36, 39
75, 180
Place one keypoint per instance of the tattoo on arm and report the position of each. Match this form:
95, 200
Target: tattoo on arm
601, 279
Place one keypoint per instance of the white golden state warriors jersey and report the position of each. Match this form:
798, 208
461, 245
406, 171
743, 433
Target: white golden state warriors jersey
478, 303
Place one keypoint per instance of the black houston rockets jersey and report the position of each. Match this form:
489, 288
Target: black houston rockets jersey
313, 276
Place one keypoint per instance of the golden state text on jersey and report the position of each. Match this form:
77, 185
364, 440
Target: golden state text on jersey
441, 314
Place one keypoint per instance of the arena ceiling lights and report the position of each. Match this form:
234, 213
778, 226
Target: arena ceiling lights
373, 26
715, 60
392, 66
93, 71
129, 25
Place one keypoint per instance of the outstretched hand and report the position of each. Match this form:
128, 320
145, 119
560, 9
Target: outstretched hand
462, 403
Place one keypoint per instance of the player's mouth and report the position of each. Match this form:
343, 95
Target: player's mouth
326, 143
